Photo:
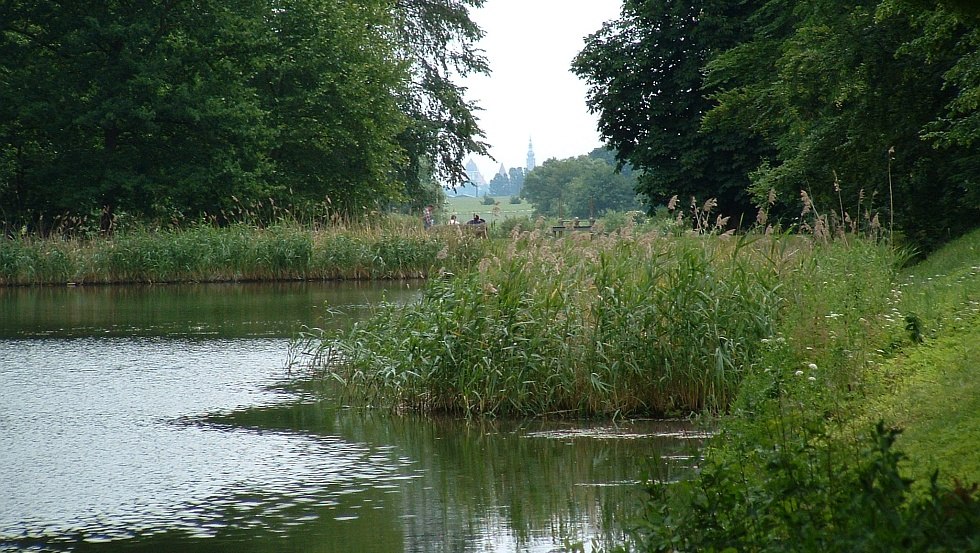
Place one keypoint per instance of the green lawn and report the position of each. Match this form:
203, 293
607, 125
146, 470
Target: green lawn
464, 207
939, 407
935, 395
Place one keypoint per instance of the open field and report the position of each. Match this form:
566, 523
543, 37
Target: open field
464, 207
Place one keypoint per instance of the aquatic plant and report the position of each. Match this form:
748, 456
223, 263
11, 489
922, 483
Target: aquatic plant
584, 325
208, 253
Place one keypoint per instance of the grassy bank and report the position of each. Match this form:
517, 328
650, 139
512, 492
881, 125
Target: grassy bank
239, 252
884, 463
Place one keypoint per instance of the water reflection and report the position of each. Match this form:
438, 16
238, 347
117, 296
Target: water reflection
218, 310
173, 438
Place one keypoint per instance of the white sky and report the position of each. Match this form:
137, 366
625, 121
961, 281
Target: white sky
531, 92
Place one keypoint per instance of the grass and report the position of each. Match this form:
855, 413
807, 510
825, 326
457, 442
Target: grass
237, 252
938, 406
465, 206
617, 324
932, 389
882, 460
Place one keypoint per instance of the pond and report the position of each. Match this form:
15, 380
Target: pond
162, 418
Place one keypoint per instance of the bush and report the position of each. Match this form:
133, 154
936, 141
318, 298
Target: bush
807, 493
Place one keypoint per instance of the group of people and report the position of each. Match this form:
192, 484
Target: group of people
428, 218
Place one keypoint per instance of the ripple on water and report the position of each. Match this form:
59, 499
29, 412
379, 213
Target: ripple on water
91, 448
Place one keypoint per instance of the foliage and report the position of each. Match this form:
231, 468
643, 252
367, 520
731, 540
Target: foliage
181, 110
326, 89
644, 73
438, 43
876, 80
810, 497
794, 468
517, 176
584, 187
874, 100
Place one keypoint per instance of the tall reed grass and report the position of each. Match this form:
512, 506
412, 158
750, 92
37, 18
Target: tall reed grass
208, 253
616, 324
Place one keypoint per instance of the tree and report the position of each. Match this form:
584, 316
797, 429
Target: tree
644, 73
866, 106
126, 104
516, 175
187, 110
329, 91
438, 41
846, 96
579, 187
500, 185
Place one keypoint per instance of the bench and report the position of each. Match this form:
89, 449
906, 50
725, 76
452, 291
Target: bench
477, 229
571, 225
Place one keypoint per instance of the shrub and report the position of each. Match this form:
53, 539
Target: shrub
807, 493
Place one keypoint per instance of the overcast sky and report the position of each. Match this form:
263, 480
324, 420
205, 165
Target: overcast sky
531, 92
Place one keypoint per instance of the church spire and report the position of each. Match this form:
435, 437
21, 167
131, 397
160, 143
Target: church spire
530, 155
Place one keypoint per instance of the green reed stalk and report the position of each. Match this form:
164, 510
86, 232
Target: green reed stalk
204, 252
617, 324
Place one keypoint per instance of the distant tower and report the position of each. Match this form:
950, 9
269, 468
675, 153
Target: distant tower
474, 177
530, 156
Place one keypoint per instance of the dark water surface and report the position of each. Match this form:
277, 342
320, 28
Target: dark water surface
161, 418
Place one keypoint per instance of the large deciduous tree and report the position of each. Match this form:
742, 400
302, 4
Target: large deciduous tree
438, 41
127, 104
186, 109
644, 72
866, 106
330, 88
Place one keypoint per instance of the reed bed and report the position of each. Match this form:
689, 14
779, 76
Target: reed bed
238, 252
586, 325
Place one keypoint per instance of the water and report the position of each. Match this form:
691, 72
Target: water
161, 418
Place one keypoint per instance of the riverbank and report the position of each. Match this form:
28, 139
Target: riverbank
392, 249
803, 344
886, 463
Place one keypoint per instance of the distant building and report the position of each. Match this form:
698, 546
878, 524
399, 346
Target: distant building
530, 156
475, 184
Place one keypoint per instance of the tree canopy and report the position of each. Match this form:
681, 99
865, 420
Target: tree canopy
178, 110
868, 107
582, 186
